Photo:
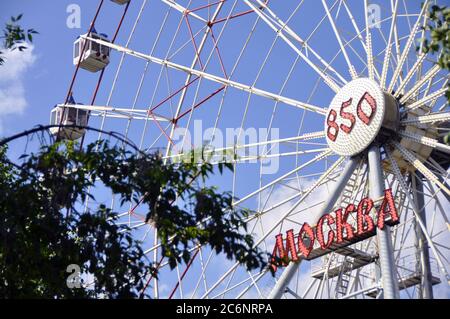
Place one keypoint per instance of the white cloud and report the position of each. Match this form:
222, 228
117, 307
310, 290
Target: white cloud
12, 73
305, 215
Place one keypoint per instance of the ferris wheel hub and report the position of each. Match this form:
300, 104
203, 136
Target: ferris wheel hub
358, 114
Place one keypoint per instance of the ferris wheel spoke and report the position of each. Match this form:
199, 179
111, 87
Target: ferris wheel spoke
280, 220
202, 277
183, 10
280, 32
425, 141
314, 160
258, 75
351, 67
426, 99
441, 208
270, 209
307, 136
242, 282
353, 21
370, 63
231, 271
411, 72
403, 185
431, 199
219, 158
186, 43
387, 55
254, 283
214, 78
365, 44
410, 157
304, 43
407, 47
199, 50
262, 157
428, 76
431, 118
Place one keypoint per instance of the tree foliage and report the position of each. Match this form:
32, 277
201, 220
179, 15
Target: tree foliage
439, 37
15, 37
44, 226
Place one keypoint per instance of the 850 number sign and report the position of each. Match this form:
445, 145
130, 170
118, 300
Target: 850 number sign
364, 116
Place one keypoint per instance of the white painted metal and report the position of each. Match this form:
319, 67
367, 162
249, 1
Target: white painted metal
212, 77
385, 250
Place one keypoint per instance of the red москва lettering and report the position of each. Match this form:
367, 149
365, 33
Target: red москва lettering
340, 231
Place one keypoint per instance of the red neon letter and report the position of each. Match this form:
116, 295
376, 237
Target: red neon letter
341, 224
381, 216
332, 125
364, 208
347, 116
301, 245
278, 252
290, 245
373, 105
320, 236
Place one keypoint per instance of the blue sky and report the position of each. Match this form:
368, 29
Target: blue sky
45, 78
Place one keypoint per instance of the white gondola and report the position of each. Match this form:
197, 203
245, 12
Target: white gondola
95, 57
121, 1
68, 116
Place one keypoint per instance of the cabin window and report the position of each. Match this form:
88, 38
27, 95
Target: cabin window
76, 49
82, 117
105, 50
58, 116
71, 115
95, 46
53, 117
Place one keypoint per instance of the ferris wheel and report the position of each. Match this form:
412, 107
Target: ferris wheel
352, 113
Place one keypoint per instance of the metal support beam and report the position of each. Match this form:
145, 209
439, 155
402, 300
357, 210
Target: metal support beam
424, 268
290, 270
385, 250
211, 77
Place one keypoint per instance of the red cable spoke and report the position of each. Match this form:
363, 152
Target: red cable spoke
69, 92
94, 96
172, 95
218, 53
150, 279
193, 41
240, 14
121, 21
204, 6
184, 273
161, 129
200, 103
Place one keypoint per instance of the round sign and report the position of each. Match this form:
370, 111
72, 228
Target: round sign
354, 117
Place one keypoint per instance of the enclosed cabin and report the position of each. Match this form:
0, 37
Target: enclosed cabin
121, 1
66, 115
94, 57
